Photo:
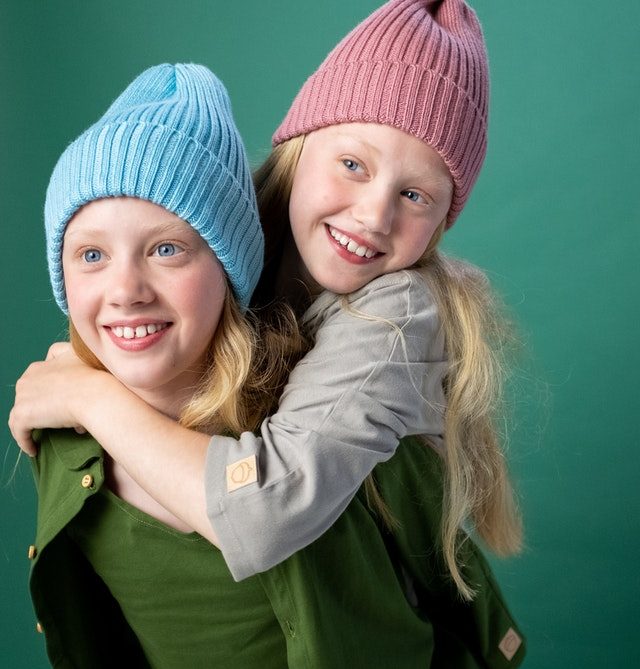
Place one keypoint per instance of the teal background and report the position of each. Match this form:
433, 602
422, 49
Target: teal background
554, 220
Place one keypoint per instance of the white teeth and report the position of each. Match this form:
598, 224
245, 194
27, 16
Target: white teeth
139, 332
350, 245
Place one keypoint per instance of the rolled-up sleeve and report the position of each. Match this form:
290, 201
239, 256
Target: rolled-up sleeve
373, 376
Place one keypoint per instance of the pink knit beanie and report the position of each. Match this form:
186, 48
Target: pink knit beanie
418, 65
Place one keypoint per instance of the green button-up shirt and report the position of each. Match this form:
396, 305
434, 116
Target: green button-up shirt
360, 596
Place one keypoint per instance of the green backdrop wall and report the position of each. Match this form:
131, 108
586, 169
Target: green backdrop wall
554, 220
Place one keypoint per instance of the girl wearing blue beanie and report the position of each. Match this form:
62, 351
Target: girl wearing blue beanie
154, 247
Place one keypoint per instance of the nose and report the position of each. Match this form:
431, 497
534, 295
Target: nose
375, 210
128, 285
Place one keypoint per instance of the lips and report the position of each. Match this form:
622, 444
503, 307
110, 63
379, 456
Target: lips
137, 335
351, 245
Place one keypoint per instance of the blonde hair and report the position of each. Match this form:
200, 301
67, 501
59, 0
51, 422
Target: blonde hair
478, 339
247, 364
476, 486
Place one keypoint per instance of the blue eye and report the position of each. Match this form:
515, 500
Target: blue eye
351, 165
92, 255
166, 250
412, 195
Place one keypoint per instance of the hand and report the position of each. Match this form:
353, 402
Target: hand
47, 393
57, 350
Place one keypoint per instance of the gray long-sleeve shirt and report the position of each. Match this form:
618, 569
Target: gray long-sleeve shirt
373, 376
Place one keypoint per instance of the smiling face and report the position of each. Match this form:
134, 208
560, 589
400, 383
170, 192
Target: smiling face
145, 293
365, 201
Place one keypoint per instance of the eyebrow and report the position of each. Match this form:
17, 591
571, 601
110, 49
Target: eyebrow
363, 142
76, 231
440, 181
167, 226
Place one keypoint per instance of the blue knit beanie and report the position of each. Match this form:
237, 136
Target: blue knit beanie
168, 138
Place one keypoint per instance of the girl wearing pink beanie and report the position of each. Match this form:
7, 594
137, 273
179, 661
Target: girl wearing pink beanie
373, 162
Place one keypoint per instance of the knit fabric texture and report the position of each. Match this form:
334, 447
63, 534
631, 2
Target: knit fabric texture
417, 65
169, 138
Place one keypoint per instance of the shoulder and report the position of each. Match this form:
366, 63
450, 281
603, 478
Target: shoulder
66, 449
402, 293
399, 295
68, 470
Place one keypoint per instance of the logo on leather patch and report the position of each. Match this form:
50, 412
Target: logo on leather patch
510, 643
242, 473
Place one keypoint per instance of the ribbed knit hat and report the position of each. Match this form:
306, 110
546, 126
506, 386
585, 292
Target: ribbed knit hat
417, 65
168, 138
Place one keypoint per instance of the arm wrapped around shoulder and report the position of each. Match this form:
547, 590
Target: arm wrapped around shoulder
374, 376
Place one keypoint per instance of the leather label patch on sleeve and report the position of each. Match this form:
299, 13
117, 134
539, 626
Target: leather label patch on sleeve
510, 643
242, 473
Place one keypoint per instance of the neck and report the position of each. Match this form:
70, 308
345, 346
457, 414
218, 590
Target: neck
171, 399
170, 404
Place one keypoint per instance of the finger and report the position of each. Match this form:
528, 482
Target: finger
26, 444
79, 429
22, 437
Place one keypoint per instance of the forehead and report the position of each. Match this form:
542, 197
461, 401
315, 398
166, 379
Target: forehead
118, 214
383, 142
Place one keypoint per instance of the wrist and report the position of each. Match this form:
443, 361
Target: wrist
90, 391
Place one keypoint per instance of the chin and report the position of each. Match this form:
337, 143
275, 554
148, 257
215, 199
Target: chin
343, 285
144, 380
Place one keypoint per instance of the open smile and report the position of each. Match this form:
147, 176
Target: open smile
137, 336
137, 332
351, 245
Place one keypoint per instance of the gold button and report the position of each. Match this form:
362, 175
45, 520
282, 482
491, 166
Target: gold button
32, 552
87, 481
39, 628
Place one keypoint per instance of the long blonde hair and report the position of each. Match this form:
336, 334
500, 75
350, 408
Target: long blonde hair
477, 486
247, 364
